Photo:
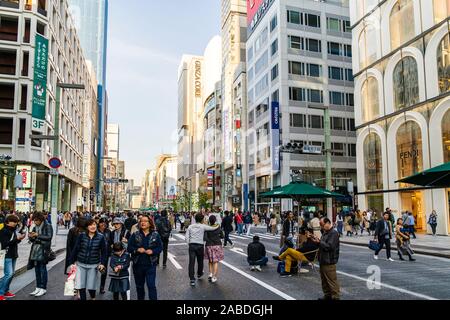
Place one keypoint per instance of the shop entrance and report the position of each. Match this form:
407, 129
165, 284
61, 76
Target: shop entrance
413, 202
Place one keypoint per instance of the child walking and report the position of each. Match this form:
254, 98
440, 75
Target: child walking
120, 278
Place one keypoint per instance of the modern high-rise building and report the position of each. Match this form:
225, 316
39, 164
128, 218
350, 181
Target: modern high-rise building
91, 20
111, 166
39, 47
234, 36
299, 61
401, 62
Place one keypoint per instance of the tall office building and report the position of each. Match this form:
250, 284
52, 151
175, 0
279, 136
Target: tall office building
299, 61
39, 47
402, 80
234, 36
91, 21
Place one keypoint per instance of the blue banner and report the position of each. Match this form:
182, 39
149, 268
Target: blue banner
275, 137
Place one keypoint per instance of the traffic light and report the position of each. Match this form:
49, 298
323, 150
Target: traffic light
292, 148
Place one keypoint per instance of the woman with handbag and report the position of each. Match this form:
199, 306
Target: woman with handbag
40, 254
90, 254
432, 221
403, 241
213, 249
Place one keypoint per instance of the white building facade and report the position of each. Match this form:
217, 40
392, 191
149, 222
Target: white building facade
401, 64
299, 60
21, 23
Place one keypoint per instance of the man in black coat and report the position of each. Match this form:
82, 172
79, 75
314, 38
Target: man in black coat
288, 228
9, 241
164, 229
328, 258
256, 253
383, 232
227, 227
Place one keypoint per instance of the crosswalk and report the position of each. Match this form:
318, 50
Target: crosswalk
179, 237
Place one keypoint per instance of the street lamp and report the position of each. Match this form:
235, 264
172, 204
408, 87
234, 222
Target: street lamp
55, 177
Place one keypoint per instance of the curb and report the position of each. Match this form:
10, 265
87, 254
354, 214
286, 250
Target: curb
23, 269
419, 251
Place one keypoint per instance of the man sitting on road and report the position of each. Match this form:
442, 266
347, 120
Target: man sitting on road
256, 253
303, 254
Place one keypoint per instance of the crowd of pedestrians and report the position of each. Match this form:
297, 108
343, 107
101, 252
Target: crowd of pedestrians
103, 246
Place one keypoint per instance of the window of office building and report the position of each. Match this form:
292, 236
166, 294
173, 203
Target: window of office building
298, 120
261, 63
274, 72
409, 149
443, 62
441, 10
446, 136
333, 24
8, 61
22, 130
297, 94
296, 42
294, 17
337, 149
275, 96
315, 122
373, 162
369, 100
406, 83
337, 98
367, 46
337, 123
296, 68
334, 48
312, 20
313, 45
7, 96
6, 130
350, 99
402, 23
335, 73
8, 28
273, 23
349, 75
274, 47
315, 96
314, 70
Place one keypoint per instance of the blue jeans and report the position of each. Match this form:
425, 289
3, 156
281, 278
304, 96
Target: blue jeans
240, 228
5, 282
261, 262
145, 274
41, 275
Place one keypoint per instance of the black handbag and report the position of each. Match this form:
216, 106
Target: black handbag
50, 255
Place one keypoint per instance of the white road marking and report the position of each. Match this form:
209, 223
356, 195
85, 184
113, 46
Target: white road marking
180, 236
177, 244
261, 283
237, 237
239, 251
174, 262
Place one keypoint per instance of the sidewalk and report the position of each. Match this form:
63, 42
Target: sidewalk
438, 246
25, 247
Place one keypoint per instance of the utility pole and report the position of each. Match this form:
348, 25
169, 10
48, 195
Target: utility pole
327, 129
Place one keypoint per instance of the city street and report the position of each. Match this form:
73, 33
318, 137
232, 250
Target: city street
425, 279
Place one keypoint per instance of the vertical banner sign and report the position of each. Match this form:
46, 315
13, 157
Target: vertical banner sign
25, 173
275, 137
40, 83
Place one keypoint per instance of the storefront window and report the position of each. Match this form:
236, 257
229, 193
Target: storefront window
375, 202
441, 10
369, 99
402, 23
367, 46
446, 136
373, 162
409, 150
443, 63
406, 83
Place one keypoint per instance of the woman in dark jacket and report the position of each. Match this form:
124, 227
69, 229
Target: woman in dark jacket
103, 229
90, 255
41, 238
213, 249
74, 232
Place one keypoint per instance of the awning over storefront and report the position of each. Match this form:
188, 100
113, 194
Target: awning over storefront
435, 177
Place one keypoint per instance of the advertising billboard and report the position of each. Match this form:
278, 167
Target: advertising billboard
25, 172
275, 136
40, 84
256, 10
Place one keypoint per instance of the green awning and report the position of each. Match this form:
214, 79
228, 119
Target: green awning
298, 190
435, 177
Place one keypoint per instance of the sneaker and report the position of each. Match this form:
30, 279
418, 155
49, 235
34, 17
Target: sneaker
285, 274
192, 283
375, 257
9, 295
40, 293
35, 292
390, 259
214, 280
199, 276
258, 268
252, 268
210, 277
2, 298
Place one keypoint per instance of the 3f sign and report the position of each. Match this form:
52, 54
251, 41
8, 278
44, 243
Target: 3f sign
38, 125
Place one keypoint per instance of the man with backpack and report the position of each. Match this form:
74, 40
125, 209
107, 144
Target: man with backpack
164, 229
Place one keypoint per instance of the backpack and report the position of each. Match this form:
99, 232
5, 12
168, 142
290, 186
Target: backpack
163, 229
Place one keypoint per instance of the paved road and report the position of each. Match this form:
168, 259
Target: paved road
427, 278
